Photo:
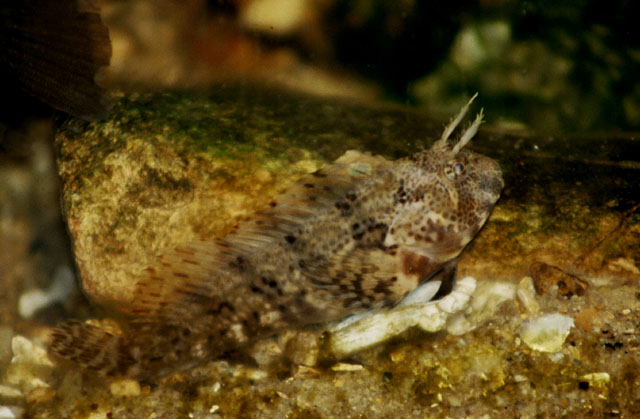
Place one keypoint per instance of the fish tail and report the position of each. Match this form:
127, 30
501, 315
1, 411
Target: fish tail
93, 348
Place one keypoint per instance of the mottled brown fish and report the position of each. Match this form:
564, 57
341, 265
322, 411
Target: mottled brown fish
358, 234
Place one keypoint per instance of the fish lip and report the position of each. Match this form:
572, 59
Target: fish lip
493, 185
497, 184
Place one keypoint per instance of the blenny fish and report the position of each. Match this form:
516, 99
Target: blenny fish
357, 235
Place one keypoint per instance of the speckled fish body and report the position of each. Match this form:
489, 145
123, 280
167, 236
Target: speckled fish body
356, 235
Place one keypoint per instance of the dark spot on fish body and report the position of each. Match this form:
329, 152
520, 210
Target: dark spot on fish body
340, 275
381, 288
417, 265
220, 308
400, 196
239, 263
357, 283
344, 208
378, 226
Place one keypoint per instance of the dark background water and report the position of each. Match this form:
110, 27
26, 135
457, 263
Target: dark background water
547, 65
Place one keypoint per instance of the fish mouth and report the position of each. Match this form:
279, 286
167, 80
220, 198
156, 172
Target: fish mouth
491, 182
494, 185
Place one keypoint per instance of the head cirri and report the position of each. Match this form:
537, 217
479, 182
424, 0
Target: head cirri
446, 194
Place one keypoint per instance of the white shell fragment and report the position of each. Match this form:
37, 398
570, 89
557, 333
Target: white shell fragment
546, 333
430, 316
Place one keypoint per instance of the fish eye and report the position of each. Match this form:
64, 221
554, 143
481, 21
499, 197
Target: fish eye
457, 168
454, 169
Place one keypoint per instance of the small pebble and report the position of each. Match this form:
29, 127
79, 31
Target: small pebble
250, 373
25, 352
487, 299
303, 349
125, 388
526, 294
342, 366
597, 379
546, 333
397, 356
11, 412
265, 352
40, 395
622, 264
303, 371
458, 325
8, 392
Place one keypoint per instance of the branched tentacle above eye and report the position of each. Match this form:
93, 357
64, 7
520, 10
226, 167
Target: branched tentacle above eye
451, 126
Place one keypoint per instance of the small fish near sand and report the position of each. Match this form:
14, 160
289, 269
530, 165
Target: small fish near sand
356, 236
